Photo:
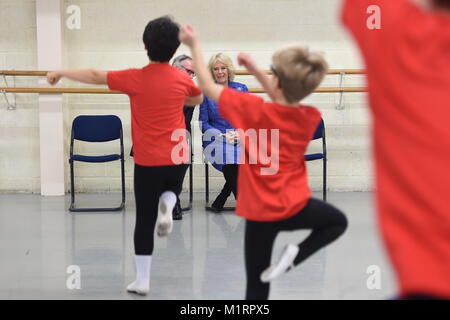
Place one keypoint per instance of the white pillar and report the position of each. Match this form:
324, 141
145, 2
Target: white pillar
49, 56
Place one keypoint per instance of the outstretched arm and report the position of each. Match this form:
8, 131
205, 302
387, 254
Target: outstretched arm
247, 61
205, 80
90, 76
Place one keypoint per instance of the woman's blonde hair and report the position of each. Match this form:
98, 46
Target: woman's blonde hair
299, 71
226, 60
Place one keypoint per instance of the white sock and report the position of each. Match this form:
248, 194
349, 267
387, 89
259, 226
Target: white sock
143, 266
142, 283
170, 199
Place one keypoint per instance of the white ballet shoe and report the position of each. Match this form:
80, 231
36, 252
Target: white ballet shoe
167, 201
139, 288
286, 261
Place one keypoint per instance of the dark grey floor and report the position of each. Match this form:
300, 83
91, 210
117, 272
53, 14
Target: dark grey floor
201, 259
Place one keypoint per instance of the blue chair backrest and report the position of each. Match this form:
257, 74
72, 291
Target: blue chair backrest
319, 131
96, 128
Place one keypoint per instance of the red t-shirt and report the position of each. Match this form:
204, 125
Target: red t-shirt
157, 93
408, 72
272, 180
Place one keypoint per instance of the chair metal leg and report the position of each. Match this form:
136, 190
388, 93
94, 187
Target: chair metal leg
72, 186
120, 208
206, 183
123, 179
208, 208
325, 179
191, 185
72, 207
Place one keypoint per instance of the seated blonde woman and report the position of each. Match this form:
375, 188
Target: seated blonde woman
220, 141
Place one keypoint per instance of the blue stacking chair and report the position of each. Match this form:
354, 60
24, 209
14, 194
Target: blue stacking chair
320, 134
94, 128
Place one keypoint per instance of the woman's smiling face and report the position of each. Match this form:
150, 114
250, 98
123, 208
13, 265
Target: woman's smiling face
220, 71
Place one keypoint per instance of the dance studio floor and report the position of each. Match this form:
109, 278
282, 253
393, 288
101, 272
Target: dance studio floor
201, 260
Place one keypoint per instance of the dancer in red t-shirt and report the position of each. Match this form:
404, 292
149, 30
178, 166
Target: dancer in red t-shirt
274, 195
157, 94
406, 48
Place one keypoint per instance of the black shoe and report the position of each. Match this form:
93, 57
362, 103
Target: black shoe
215, 208
177, 214
218, 203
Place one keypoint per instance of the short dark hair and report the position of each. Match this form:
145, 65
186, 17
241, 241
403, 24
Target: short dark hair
442, 3
161, 39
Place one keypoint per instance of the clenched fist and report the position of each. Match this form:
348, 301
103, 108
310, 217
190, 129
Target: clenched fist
187, 35
53, 77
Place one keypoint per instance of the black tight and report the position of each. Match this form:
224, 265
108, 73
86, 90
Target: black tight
327, 224
149, 183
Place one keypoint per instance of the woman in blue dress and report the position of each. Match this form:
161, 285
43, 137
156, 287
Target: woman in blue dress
220, 141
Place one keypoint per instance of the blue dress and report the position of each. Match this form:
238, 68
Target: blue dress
215, 147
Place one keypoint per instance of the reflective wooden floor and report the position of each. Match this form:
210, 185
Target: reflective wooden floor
201, 260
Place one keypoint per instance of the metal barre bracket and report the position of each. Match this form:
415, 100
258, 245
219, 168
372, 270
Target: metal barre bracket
340, 105
10, 106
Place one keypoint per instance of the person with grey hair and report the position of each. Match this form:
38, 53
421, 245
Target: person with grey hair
184, 63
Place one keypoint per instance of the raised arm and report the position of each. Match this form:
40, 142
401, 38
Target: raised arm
193, 101
205, 81
90, 76
247, 61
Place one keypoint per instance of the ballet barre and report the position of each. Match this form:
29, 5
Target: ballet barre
107, 91
329, 72
32, 73
58, 90
23, 73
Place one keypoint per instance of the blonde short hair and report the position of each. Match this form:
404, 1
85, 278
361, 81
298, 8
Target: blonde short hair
226, 60
299, 71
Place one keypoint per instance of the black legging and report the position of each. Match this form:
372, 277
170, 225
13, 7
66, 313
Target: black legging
149, 183
327, 224
230, 172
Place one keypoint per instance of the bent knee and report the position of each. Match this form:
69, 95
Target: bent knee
340, 223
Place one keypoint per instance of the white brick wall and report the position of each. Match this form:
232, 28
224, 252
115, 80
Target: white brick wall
110, 38
19, 132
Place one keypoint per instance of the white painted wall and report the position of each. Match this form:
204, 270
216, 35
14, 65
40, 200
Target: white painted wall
51, 113
19, 129
110, 38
